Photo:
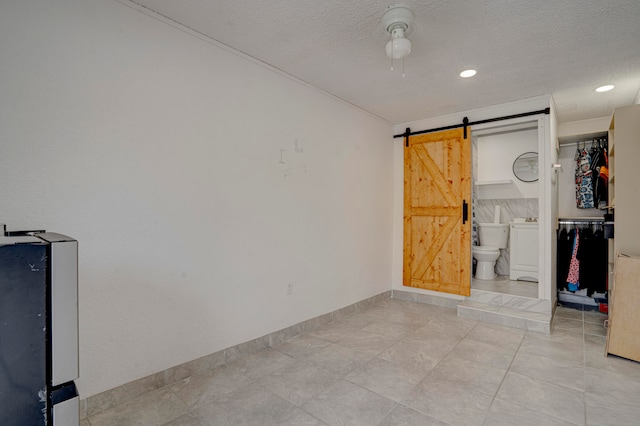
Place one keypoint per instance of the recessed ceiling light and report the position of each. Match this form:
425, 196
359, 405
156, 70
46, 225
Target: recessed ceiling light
605, 88
467, 73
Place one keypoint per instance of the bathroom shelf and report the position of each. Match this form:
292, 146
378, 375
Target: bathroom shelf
497, 189
494, 182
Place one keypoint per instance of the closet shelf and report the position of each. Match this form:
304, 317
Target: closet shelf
610, 206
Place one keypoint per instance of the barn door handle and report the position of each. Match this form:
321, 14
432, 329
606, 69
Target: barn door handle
465, 211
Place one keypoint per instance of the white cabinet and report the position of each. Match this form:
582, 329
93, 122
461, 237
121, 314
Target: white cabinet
523, 251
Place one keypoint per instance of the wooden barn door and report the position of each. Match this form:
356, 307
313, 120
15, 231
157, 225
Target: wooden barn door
437, 212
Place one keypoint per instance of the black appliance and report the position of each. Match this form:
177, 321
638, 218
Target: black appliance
38, 329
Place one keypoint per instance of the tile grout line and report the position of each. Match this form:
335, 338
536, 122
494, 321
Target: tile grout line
290, 403
344, 376
299, 407
543, 381
493, 399
190, 409
438, 363
399, 403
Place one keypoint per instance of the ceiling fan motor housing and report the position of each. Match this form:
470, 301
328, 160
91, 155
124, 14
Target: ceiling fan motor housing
398, 16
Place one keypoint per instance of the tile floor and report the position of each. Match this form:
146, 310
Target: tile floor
502, 284
407, 363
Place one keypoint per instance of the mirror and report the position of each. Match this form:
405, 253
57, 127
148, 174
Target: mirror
525, 167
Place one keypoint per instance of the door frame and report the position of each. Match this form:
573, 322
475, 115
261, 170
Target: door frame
547, 213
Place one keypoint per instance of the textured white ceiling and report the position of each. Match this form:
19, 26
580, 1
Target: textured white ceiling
521, 49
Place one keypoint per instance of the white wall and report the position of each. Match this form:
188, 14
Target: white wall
496, 154
197, 183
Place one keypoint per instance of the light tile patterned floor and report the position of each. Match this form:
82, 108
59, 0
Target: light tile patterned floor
502, 284
406, 363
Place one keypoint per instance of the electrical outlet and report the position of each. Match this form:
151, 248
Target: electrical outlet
290, 288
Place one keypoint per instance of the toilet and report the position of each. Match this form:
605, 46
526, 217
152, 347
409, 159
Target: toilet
492, 237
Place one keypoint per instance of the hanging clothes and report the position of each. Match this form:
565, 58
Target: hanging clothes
600, 173
593, 270
582, 259
565, 246
592, 174
600, 268
573, 278
584, 184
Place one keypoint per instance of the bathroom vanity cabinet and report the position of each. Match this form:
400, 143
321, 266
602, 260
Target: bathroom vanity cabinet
523, 251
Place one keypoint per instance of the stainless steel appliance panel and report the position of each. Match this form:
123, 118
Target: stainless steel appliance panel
64, 311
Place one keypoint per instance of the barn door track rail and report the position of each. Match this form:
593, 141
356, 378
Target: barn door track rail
465, 123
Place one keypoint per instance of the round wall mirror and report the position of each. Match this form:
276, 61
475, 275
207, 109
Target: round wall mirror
525, 167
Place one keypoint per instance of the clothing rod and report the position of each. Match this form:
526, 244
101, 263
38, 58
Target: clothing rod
588, 141
465, 123
577, 222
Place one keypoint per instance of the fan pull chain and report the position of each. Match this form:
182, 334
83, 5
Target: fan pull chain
391, 55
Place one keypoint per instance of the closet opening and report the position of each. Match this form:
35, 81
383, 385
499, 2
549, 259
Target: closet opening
584, 226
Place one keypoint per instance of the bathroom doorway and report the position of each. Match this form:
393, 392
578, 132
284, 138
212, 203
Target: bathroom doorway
506, 191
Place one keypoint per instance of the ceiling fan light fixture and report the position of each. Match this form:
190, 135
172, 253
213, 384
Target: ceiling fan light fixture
605, 88
398, 21
399, 46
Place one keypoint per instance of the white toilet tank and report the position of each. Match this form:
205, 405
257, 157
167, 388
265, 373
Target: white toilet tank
493, 234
